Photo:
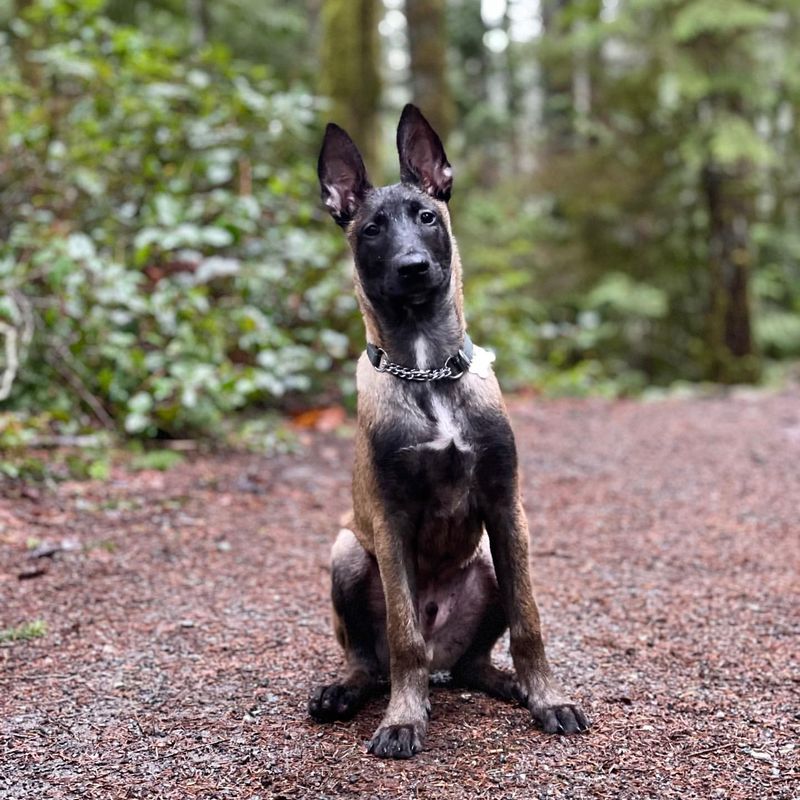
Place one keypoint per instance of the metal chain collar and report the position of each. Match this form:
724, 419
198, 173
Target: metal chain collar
411, 374
453, 368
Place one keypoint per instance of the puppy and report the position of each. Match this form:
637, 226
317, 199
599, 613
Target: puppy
434, 566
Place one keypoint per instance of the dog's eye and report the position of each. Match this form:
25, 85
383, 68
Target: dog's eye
427, 217
371, 229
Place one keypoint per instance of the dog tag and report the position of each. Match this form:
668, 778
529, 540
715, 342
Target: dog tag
482, 361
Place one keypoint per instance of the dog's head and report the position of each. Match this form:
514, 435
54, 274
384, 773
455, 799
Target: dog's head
399, 234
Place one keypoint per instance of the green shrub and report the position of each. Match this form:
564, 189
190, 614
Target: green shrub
163, 260
565, 333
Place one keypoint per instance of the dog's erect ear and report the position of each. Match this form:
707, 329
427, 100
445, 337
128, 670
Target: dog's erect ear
423, 161
342, 175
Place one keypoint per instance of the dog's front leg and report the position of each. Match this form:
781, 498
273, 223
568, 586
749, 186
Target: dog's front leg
508, 535
401, 733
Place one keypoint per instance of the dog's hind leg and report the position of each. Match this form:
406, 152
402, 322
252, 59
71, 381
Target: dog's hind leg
482, 676
474, 670
360, 628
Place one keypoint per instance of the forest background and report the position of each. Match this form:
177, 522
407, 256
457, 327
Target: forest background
627, 198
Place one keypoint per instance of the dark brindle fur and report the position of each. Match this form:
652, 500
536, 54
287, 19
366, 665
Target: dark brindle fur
435, 565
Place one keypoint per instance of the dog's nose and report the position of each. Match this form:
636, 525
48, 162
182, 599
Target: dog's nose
413, 266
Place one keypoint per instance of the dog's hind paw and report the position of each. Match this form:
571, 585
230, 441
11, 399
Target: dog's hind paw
336, 701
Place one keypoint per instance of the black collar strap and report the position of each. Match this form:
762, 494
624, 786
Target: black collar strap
454, 367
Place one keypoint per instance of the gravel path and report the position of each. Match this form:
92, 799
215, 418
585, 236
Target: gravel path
187, 617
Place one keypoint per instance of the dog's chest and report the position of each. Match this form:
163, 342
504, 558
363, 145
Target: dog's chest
442, 462
435, 455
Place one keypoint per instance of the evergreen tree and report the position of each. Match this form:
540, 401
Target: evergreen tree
672, 179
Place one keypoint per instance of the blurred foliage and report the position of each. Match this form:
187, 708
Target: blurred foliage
161, 460
165, 264
547, 329
158, 207
271, 33
599, 238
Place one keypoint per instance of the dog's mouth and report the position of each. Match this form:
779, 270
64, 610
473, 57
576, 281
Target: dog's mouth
418, 290
418, 299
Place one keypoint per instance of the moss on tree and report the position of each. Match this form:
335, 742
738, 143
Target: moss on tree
350, 74
427, 41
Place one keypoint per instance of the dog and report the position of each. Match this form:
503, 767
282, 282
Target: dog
433, 566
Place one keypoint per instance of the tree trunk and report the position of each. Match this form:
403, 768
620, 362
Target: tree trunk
514, 94
200, 21
465, 33
557, 78
733, 357
427, 39
586, 64
350, 72
29, 71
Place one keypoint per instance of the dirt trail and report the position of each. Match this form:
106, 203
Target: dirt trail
188, 618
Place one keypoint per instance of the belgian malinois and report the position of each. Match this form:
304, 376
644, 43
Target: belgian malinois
434, 566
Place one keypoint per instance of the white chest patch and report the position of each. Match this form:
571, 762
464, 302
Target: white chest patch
446, 425
421, 352
447, 429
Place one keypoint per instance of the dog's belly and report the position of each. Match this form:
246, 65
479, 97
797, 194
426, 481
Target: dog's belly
451, 607
451, 604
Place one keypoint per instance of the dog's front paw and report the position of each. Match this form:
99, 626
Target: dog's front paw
558, 717
396, 741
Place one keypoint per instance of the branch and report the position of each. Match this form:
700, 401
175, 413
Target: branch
90, 440
25, 310
12, 359
65, 366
